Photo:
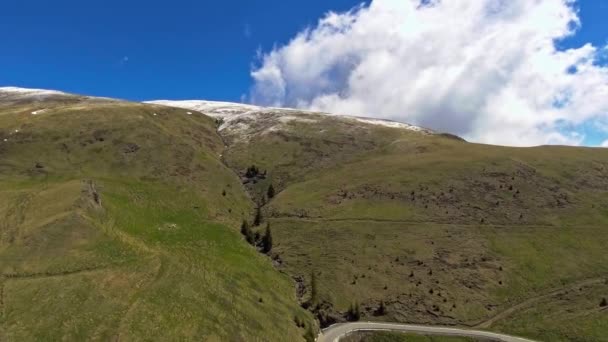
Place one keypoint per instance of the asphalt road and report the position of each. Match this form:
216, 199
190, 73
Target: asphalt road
337, 331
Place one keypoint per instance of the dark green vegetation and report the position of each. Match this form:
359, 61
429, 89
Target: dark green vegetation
401, 337
134, 221
119, 221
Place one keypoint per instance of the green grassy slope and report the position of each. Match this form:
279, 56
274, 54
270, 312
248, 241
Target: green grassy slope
442, 231
119, 221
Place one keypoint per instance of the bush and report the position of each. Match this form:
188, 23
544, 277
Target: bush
298, 322
309, 336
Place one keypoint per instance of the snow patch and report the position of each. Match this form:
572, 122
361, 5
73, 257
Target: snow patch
227, 110
29, 92
290, 118
388, 123
211, 108
19, 94
39, 111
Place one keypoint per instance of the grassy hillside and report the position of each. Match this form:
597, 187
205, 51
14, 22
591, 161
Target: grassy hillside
440, 230
119, 221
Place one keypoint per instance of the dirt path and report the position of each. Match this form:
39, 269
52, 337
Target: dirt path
408, 222
17, 276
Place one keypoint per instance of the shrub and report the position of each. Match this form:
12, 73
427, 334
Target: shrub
298, 321
309, 336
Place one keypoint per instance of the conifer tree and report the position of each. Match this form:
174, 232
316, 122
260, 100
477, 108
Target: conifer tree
246, 231
271, 192
258, 217
382, 309
267, 240
354, 313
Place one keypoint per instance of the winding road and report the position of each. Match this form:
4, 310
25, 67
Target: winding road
337, 331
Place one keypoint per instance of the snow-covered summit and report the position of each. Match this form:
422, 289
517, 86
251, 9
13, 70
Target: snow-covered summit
27, 92
211, 108
10, 95
237, 115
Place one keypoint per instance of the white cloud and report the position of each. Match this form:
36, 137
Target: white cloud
484, 69
604, 144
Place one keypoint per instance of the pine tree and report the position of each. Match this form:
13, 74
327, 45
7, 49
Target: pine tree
252, 171
246, 231
271, 192
244, 228
258, 217
354, 313
382, 309
267, 240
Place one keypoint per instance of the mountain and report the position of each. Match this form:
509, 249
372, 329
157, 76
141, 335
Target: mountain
127, 218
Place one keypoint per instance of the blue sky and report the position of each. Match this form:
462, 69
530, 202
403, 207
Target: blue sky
146, 49
158, 49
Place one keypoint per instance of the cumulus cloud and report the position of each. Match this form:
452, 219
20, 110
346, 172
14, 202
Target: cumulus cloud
487, 70
604, 144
